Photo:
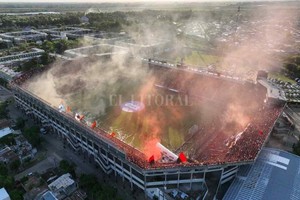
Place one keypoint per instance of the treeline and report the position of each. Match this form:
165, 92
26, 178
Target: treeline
108, 21
7, 181
96, 190
59, 46
40, 21
3, 109
32, 134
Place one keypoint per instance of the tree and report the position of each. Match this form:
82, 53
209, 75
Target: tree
23, 47
296, 148
24, 179
8, 140
61, 46
95, 189
16, 194
3, 170
32, 134
14, 166
3, 111
33, 63
48, 46
45, 58
87, 181
20, 123
66, 167
6, 181
3, 82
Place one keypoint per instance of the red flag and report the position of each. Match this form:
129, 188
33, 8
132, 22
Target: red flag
260, 132
151, 159
94, 124
68, 109
113, 134
182, 157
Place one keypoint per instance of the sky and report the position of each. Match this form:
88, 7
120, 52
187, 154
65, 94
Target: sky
125, 1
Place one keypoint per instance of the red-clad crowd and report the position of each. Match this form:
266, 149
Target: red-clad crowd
216, 152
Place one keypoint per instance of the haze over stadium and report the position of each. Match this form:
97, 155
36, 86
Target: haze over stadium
224, 113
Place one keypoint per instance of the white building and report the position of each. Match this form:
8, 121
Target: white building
5, 131
63, 186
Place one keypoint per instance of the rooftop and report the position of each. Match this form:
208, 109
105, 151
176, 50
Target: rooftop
274, 175
5, 131
62, 182
49, 196
272, 90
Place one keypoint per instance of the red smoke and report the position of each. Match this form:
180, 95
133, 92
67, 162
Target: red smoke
150, 149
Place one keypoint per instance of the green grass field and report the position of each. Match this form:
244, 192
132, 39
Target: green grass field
199, 59
168, 122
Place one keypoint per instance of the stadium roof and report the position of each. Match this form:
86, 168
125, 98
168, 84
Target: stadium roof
274, 175
272, 90
3, 194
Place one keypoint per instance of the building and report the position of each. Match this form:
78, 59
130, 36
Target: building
77, 195
5, 43
106, 37
12, 60
3, 194
7, 73
8, 62
274, 175
24, 148
5, 131
24, 36
68, 32
84, 19
34, 186
7, 155
274, 93
4, 122
48, 196
63, 186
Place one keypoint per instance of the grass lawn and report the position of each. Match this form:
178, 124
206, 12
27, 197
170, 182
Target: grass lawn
199, 59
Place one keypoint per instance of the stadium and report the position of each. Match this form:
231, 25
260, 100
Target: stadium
154, 125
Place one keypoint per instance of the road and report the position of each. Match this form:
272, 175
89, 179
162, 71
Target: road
41, 167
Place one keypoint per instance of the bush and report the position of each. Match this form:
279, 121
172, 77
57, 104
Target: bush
24, 179
96, 189
32, 134
20, 124
15, 165
66, 167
